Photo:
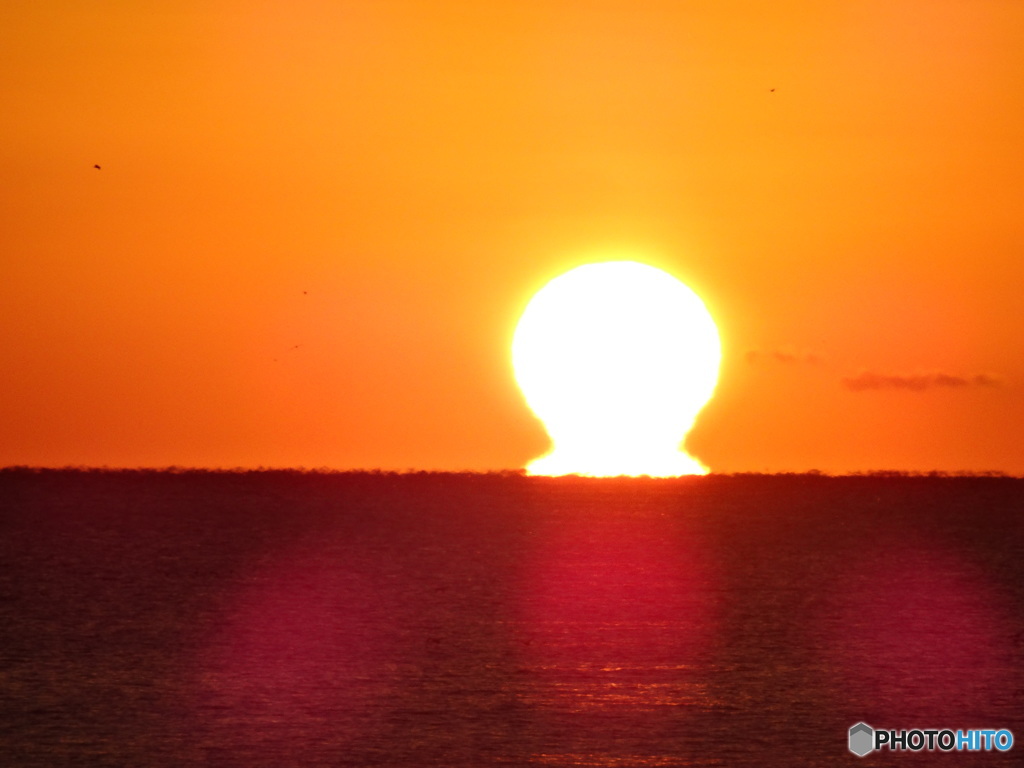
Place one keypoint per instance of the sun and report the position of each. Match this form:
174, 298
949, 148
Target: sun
616, 359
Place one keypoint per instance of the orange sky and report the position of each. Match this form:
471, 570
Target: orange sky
317, 222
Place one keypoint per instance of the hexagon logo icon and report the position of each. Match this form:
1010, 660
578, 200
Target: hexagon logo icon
862, 737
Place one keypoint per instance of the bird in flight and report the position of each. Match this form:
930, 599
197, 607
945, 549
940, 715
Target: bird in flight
96, 167
771, 90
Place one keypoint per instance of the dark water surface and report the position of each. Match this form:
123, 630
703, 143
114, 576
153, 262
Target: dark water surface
275, 619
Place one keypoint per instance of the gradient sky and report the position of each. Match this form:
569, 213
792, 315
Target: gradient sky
316, 223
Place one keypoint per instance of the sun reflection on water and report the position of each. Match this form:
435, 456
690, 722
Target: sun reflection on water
616, 621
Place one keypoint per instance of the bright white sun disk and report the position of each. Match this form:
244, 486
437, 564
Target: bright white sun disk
617, 359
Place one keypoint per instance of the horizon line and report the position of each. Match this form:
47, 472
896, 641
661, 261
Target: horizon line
173, 469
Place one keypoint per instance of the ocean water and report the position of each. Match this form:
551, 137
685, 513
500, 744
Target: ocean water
278, 619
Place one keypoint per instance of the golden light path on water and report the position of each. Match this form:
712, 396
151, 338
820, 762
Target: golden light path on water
616, 359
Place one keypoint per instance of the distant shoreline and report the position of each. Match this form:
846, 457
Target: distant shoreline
489, 474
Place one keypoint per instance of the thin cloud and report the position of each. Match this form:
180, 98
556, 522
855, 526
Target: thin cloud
917, 382
785, 355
